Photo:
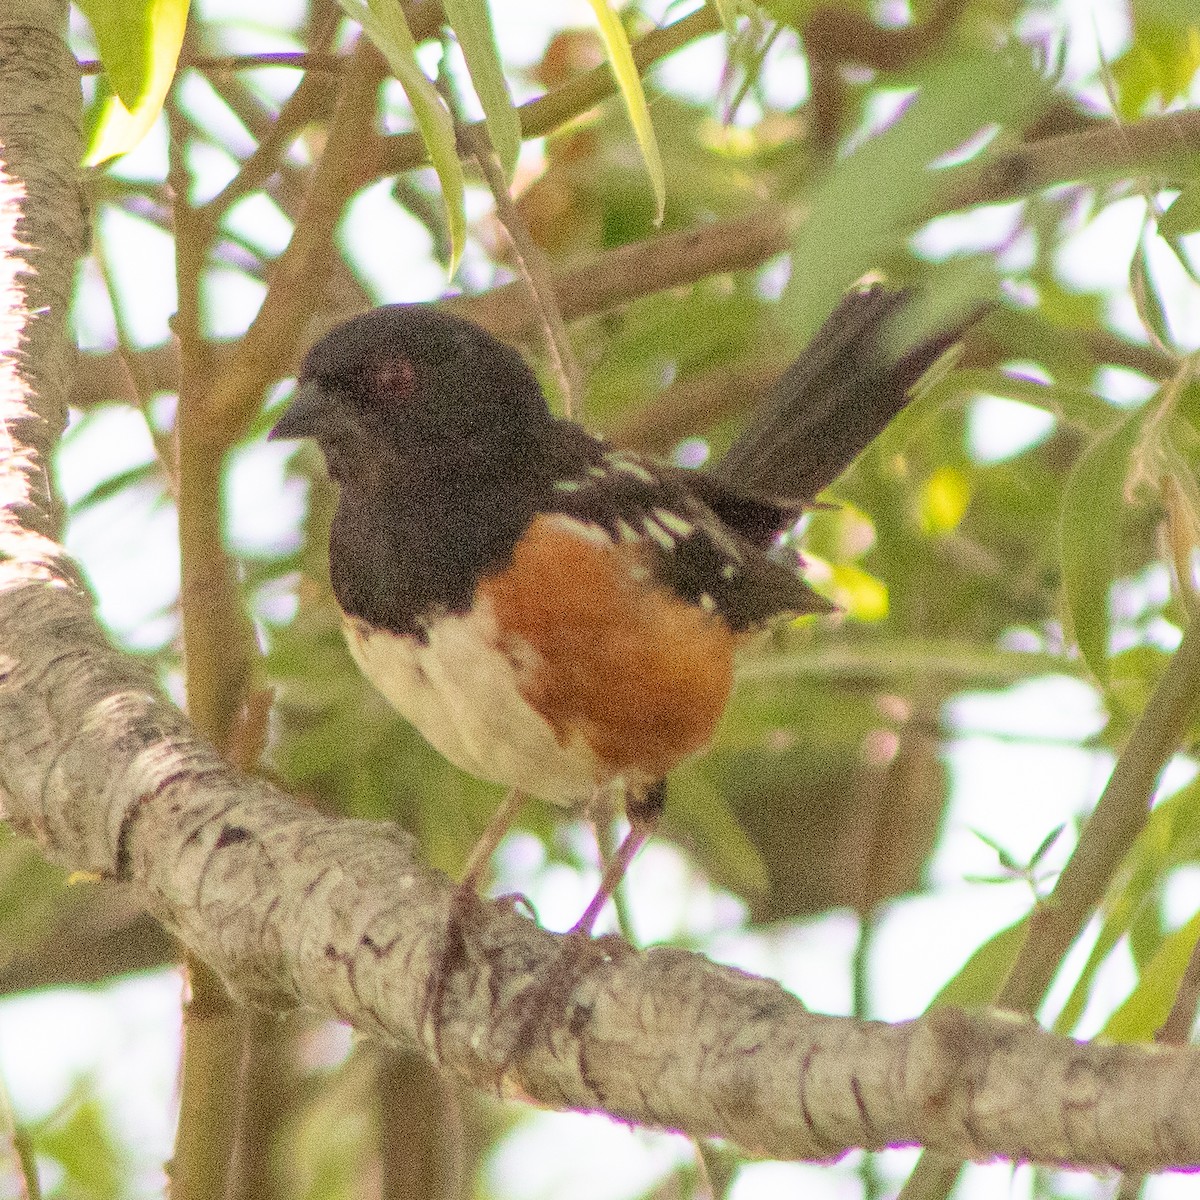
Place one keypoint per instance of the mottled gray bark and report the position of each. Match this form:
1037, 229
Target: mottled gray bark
342, 917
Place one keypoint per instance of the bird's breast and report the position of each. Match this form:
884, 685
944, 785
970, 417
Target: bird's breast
570, 670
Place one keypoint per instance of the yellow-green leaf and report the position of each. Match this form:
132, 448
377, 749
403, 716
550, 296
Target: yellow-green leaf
1183, 213
1149, 1004
980, 979
871, 201
385, 24
1093, 503
727, 10
139, 43
472, 25
624, 69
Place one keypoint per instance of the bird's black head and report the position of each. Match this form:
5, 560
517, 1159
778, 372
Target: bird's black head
413, 383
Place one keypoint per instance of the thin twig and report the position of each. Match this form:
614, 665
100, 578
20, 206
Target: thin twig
1119, 816
300, 60
543, 116
267, 349
532, 266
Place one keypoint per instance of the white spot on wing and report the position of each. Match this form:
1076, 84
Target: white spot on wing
659, 534
673, 522
588, 531
627, 466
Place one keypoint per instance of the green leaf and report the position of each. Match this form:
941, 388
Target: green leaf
139, 43
979, 980
1149, 1004
1171, 836
727, 10
719, 842
869, 203
624, 69
79, 1136
1089, 537
472, 25
1148, 299
1183, 213
385, 24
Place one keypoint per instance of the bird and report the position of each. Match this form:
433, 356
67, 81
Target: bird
552, 613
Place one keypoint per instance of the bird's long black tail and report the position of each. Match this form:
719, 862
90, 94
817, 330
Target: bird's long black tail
834, 400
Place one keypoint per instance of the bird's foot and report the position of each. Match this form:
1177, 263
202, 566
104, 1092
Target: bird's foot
466, 914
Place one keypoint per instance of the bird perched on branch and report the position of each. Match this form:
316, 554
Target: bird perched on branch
551, 613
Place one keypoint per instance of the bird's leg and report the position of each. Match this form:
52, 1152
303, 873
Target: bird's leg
644, 812
546, 1001
464, 901
498, 825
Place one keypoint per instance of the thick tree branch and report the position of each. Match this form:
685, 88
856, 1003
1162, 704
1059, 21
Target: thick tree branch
341, 916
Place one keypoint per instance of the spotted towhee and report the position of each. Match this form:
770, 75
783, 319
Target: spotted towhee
554, 614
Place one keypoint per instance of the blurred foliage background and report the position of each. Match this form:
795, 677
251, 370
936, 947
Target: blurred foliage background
696, 184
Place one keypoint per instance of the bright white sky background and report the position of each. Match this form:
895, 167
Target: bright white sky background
1017, 764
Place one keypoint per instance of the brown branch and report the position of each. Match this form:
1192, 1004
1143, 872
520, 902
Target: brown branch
300, 60
215, 1030
219, 650
540, 117
311, 101
838, 37
92, 941
695, 404
268, 1090
640, 269
1165, 145
342, 917
420, 1129
218, 644
268, 347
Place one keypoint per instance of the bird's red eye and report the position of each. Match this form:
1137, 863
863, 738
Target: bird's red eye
396, 380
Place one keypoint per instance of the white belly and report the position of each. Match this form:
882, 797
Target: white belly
462, 695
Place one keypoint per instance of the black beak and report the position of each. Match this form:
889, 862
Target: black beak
304, 414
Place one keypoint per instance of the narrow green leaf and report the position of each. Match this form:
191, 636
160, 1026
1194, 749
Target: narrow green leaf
1047, 842
624, 69
1183, 213
721, 846
1147, 299
1171, 836
727, 10
385, 24
472, 25
139, 43
1089, 536
976, 984
1149, 1004
871, 201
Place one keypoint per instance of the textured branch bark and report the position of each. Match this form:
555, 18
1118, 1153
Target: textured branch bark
293, 908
